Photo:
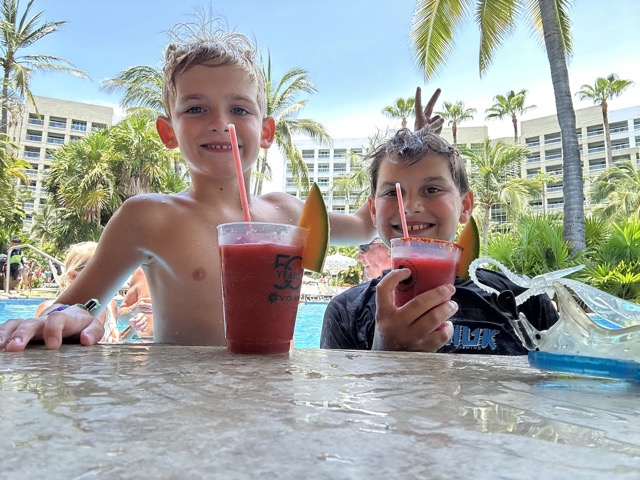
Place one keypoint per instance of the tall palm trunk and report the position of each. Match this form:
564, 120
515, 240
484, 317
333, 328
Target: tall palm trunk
514, 120
454, 132
574, 227
607, 132
5, 102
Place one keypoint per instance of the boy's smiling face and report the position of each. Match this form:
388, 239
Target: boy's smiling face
208, 99
432, 202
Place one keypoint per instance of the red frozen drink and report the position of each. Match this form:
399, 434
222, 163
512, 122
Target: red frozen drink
261, 281
432, 263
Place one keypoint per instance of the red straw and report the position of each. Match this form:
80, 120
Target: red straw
403, 219
239, 173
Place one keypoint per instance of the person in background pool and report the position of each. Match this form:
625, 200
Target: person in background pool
375, 257
451, 319
211, 78
136, 306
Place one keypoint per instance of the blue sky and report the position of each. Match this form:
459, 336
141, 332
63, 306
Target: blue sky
356, 52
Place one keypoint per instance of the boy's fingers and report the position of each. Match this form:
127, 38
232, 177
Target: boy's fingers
428, 110
17, 333
92, 334
59, 326
430, 299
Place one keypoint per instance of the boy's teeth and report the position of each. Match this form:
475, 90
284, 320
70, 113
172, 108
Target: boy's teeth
416, 227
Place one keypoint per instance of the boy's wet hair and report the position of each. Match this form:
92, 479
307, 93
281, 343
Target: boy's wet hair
411, 147
206, 43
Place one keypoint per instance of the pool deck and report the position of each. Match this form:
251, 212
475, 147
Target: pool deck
162, 411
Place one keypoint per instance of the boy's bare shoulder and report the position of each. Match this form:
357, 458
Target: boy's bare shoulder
152, 208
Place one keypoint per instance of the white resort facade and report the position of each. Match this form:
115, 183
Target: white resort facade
541, 136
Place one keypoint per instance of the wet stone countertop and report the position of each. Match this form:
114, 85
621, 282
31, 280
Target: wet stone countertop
199, 412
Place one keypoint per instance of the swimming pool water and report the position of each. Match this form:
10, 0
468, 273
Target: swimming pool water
306, 335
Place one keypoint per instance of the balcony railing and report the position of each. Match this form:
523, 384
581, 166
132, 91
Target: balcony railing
54, 124
34, 138
533, 159
58, 141
31, 154
596, 149
553, 156
35, 121
619, 146
593, 133
548, 141
533, 144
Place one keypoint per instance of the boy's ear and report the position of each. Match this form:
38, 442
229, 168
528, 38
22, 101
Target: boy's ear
372, 209
268, 132
165, 130
467, 207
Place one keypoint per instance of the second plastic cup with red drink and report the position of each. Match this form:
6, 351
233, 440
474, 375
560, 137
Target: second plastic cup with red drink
432, 263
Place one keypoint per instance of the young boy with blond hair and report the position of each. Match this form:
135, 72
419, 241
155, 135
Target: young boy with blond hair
211, 80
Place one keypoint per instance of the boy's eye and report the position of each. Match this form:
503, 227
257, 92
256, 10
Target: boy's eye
432, 190
389, 193
239, 111
195, 110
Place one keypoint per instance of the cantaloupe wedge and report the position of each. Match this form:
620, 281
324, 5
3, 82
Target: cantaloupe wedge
314, 217
469, 239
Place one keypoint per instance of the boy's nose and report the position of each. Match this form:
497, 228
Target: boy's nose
412, 204
218, 122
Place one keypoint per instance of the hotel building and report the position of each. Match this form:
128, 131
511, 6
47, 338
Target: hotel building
541, 136
39, 133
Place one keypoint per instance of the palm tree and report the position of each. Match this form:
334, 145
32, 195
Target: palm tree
617, 191
82, 178
509, 105
139, 156
495, 183
141, 87
434, 27
454, 114
17, 33
603, 89
283, 107
402, 109
12, 170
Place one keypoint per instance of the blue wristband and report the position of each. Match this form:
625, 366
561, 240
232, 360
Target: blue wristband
90, 306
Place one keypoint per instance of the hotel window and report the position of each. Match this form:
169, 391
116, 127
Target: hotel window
57, 122
79, 125
55, 138
35, 120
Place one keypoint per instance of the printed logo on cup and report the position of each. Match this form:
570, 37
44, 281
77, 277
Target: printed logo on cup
409, 283
289, 272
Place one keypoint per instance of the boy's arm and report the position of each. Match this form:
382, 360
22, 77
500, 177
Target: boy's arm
352, 229
118, 252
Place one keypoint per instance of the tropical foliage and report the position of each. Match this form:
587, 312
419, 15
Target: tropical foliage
434, 29
401, 109
511, 105
19, 31
604, 89
283, 105
90, 178
533, 246
496, 182
141, 89
616, 192
454, 114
